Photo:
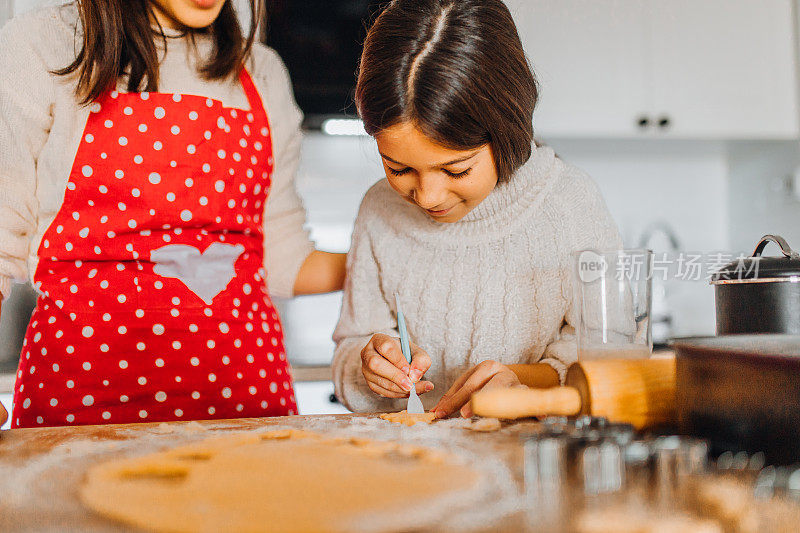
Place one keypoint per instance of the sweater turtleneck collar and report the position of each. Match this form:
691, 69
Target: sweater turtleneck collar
515, 194
493, 217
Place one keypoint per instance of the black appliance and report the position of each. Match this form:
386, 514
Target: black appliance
320, 42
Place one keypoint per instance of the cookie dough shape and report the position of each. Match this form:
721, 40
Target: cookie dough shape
485, 425
409, 419
282, 481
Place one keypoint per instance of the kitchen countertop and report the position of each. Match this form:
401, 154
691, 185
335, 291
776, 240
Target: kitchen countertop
312, 373
42, 468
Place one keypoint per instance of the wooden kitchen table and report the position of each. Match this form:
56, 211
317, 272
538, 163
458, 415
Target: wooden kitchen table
41, 469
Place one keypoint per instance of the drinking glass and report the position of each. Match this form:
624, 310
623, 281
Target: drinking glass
613, 300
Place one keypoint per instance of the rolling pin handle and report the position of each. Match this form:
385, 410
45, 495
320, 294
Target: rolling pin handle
521, 402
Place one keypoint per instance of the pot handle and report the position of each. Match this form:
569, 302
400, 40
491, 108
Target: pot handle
780, 241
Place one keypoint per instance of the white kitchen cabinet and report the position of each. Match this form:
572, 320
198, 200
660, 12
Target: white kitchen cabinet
590, 77
690, 69
725, 68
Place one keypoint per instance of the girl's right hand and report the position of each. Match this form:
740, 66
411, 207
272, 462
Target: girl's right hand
388, 373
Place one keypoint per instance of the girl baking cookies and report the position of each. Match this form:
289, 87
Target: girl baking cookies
147, 189
474, 224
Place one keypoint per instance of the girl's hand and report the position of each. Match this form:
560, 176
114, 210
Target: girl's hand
3, 415
485, 374
388, 373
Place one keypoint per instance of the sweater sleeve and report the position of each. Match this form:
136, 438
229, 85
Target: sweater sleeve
589, 225
286, 240
26, 100
364, 313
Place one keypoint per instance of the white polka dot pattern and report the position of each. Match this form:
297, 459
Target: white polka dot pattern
111, 341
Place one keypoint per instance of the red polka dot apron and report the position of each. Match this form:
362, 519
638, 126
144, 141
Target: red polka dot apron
153, 302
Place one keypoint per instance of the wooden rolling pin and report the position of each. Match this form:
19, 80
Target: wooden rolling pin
637, 391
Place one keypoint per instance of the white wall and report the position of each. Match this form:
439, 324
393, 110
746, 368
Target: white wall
645, 181
760, 198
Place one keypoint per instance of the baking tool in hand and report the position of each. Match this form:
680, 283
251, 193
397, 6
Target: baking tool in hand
414, 403
637, 391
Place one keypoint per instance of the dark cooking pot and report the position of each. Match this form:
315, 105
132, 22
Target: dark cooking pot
741, 392
759, 294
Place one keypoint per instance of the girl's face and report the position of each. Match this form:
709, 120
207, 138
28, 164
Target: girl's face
187, 13
447, 184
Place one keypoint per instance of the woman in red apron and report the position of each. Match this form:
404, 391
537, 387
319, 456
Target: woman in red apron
153, 297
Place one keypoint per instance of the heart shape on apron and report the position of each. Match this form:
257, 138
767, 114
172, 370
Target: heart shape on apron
204, 273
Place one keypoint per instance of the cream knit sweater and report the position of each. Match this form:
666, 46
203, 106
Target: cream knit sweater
41, 124
495, 285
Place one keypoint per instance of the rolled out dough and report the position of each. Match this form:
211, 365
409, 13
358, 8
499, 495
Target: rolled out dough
283, 481
409, 419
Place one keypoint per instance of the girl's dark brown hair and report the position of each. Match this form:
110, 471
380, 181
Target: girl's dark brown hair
457, 69
118, 38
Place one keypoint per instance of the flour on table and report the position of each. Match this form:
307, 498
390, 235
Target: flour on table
163, 428
407, 419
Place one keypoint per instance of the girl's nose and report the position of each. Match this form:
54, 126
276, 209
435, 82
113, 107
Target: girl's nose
429, 193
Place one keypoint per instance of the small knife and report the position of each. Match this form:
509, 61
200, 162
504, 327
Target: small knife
414, 403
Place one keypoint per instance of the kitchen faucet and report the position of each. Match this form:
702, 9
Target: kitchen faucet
661, 312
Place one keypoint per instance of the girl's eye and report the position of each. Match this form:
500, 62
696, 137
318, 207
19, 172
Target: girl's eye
398, 172
457, 174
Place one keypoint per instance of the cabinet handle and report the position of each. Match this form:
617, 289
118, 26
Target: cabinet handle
643, 122
664, 122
